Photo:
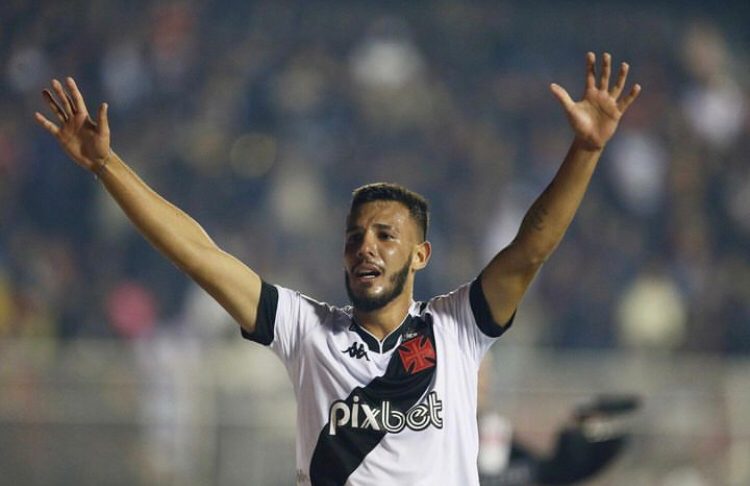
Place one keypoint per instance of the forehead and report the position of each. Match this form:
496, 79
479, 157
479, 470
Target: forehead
391, 213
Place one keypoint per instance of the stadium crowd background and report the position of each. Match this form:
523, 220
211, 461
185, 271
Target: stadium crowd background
259, 118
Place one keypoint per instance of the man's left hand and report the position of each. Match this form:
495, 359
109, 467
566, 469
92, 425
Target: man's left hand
594, 118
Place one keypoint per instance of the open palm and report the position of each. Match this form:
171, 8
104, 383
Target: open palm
595, 117
86, 141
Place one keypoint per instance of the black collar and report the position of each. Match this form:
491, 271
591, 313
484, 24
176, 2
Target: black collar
390, 341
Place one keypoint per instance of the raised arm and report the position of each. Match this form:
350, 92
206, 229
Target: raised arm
235, 286
594, 120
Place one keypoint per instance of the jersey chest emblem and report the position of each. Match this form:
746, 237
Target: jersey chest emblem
417, 354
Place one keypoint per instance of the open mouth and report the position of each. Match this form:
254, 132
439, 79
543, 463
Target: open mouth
367, 272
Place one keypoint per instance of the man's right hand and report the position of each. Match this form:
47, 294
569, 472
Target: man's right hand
173, 232
86, 141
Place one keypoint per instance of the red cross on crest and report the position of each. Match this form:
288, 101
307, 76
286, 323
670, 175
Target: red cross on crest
417, 354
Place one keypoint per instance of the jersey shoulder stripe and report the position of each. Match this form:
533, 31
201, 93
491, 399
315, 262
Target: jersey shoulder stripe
266, 315
269, 297
481, 310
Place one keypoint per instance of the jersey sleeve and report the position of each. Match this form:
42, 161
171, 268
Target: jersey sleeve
466, 315
284, 317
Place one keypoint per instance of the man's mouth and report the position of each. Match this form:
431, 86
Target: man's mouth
367, 271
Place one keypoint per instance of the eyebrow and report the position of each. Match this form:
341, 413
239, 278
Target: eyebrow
380, 226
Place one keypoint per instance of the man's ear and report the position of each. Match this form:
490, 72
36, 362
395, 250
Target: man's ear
422, 255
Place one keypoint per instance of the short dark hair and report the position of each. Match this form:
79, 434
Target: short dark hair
387, 191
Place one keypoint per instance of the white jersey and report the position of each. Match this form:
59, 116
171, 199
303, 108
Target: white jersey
399, 411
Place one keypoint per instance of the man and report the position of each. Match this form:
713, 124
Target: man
386, 388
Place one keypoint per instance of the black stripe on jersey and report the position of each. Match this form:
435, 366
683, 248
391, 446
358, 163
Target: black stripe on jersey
337, 456
481, 310
266, 316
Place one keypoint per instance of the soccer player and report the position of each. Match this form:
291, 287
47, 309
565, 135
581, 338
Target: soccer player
386, 388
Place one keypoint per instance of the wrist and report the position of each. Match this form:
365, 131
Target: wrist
99, 169
588, 145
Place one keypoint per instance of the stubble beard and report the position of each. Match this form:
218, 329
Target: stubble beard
369, 304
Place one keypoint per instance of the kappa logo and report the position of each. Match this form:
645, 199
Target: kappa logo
417, 354
355, 351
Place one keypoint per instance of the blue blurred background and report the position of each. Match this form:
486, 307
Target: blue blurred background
259, 118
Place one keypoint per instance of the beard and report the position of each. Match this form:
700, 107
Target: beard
369, 304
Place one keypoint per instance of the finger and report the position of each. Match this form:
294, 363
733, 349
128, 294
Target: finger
606, 70
590, 70
54, 106
46, 124
70, 102
63, 97
616, 90
562, 96
103, 120
630, 98
78, 101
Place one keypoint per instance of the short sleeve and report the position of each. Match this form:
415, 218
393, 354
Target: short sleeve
465, 314
265, 317
284, 317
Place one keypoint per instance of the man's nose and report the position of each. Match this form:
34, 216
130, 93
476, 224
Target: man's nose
367, 246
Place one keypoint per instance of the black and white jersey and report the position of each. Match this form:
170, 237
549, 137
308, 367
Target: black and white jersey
369, 412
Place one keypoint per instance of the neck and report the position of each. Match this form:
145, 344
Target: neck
383, 321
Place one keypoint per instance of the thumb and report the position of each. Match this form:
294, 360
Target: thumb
562, 96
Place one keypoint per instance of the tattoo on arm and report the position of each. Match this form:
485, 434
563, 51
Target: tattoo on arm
536, 217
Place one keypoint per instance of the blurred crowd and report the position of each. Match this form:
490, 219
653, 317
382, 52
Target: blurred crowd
259, 118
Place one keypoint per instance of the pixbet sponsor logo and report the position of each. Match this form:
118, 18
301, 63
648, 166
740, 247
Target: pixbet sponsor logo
385, 418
